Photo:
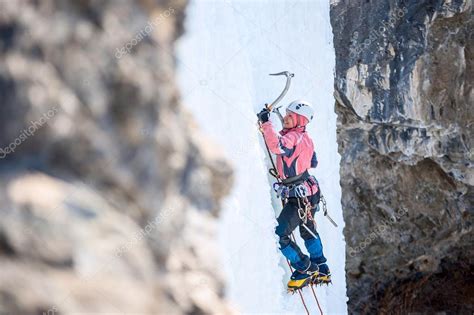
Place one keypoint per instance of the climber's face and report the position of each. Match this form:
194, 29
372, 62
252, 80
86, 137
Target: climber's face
289, 120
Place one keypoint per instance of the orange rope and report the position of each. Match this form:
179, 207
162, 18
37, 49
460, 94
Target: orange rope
312, 289
317, 301
299, 291
278, 179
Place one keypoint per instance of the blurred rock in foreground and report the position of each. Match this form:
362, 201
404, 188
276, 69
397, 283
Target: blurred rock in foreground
108, 192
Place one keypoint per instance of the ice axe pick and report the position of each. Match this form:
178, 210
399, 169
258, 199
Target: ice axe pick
271, 106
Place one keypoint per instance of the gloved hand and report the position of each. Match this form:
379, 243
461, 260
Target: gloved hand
264, 115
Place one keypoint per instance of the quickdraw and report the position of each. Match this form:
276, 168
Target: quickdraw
325, 211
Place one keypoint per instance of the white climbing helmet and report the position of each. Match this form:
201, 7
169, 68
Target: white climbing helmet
302, 108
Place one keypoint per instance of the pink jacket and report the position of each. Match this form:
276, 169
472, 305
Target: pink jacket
294, 150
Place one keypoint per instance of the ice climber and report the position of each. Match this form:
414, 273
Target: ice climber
295, 155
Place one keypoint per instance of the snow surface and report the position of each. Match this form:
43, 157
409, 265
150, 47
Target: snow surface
224, 59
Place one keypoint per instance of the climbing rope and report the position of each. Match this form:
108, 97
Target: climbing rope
317, 301
311, 285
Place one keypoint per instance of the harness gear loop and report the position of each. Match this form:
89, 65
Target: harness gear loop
300, 191
282, 191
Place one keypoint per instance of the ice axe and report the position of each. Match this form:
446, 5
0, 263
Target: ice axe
271, 107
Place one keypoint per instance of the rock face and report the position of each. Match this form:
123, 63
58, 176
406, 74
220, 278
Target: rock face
404, 99
108, 193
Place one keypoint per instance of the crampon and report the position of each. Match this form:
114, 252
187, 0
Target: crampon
317, 279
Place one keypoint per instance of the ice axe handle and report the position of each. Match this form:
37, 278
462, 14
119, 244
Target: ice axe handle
288, 76
270, 109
